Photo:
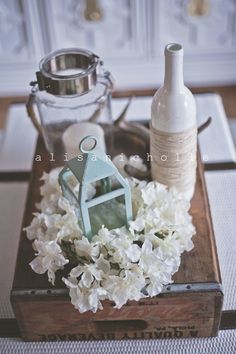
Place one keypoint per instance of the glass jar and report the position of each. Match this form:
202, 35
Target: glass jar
71, 87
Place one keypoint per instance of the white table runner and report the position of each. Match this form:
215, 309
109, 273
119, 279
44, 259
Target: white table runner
224, 344
221, 187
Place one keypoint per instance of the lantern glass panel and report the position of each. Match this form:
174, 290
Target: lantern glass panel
70, 196
107, 185
73, 184
111, 214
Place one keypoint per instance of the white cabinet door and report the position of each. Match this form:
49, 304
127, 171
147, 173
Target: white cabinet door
207, 31
204, 27
115, 29
129, 35
21, 44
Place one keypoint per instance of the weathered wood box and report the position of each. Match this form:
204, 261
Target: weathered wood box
190, 307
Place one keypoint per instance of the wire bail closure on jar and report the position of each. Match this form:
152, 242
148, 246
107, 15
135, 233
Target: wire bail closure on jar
68, 72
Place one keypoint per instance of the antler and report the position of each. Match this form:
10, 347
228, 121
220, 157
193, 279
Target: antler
141, 130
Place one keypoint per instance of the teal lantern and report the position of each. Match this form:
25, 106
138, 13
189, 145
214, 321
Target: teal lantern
110, 204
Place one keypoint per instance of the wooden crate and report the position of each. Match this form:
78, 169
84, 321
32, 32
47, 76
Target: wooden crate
190, 307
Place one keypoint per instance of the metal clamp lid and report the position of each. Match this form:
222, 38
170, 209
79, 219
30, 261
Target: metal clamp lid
71, 71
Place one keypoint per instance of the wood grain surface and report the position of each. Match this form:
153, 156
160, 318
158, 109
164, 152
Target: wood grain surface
170, 316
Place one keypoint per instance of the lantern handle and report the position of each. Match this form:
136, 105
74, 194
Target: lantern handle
84, 140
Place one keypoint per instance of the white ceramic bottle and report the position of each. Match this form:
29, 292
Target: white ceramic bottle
173, 127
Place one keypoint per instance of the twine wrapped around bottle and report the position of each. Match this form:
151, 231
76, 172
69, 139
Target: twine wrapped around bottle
173, 158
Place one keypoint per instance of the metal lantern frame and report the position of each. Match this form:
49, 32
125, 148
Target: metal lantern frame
94, 166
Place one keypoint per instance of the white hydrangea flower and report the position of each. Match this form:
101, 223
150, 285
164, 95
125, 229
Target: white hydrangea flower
49, 259
154, 193
120, 289
65, 205
85, 299
123, 250
37, 228
138, 224
157, 269
86, 249
104, 236
51, 185
121, 264
68, 228
103, 265
96, 294
88, 272
149, 261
